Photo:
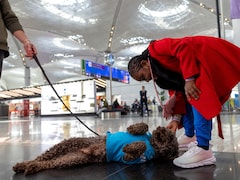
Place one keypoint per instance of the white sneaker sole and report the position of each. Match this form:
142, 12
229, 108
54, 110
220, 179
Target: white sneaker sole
205, 162
184, 148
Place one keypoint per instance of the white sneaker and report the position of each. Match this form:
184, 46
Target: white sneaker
184, 141
195, 157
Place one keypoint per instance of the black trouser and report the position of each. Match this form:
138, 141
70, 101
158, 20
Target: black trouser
1, 61
146, 106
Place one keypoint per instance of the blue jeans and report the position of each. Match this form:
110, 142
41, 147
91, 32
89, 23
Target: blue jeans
195, 123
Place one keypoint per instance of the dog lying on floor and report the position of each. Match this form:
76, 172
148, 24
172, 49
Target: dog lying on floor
137, 145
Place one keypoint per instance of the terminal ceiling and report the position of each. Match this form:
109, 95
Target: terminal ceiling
66, 31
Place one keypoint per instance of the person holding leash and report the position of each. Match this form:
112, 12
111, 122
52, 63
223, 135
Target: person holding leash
9, 21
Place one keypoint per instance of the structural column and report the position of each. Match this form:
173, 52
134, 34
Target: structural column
235, 16
27, 76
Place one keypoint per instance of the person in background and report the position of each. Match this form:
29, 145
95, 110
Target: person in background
9, 21
143, 100
136, 106
236, 102
126, 108
103, 105
116, 104
154, 101
204, 70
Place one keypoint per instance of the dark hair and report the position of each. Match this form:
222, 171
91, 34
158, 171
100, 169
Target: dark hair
166, 79
134, 65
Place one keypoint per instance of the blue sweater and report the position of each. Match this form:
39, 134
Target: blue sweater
117, 141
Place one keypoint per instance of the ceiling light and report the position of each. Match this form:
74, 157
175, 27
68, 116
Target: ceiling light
60, 43
58, 55
62, 2
165, 14
135, 40
61, 55
23, 92
34, 89
78, 38
9, 93
69, 9
226, 20
4, 95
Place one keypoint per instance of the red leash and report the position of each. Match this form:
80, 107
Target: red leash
220, 133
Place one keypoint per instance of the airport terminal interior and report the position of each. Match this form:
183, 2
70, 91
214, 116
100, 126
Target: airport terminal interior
74, 36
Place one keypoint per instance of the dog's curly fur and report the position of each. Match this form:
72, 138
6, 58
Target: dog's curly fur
79, 151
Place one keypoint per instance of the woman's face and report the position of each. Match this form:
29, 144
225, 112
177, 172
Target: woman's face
144, 73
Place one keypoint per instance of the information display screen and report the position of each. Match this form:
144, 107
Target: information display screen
93, 69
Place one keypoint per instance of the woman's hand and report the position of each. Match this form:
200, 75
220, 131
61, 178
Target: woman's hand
191, 90
173, 125
168, 107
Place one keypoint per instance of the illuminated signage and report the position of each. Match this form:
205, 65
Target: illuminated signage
93, 69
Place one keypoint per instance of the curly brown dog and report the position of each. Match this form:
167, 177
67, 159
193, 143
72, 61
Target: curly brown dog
136, 145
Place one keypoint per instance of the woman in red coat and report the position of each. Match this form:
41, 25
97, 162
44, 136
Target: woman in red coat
204, 69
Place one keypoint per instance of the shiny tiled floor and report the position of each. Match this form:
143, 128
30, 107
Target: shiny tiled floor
25, 138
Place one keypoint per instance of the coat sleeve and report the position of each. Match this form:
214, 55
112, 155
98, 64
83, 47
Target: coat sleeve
10, 19
180, 104
176, 54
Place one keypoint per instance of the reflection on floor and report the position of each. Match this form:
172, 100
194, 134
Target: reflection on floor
25, 138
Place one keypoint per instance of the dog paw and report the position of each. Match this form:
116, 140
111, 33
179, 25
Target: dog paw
32, 168
19, 167
138, 128
129, 157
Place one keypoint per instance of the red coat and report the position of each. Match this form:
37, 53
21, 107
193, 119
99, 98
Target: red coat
214, 61
180, 104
